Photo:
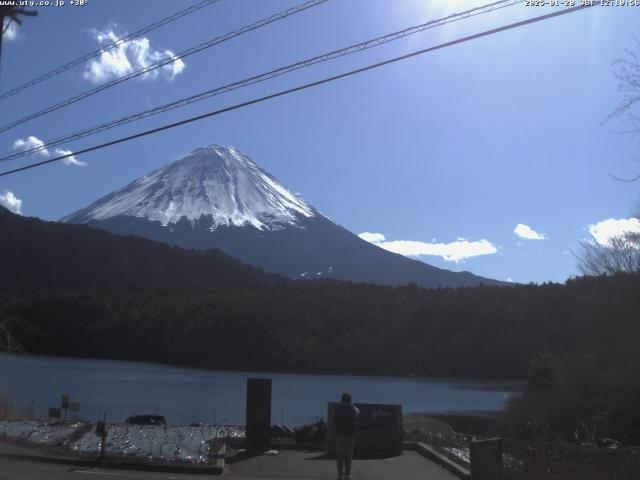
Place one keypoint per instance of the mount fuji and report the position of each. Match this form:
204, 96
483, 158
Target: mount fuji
217, 197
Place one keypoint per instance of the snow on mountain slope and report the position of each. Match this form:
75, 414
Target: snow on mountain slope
214, 181
216, 197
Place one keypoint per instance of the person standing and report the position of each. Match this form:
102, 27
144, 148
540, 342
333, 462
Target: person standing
344, 422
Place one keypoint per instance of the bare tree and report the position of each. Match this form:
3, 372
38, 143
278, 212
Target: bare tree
626, 69
8, 340
13, 14
627, 72
620, 254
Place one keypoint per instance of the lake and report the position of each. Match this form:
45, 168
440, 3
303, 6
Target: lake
185, 395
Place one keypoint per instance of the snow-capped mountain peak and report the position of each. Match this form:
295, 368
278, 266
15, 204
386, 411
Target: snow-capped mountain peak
217, 182
218, 198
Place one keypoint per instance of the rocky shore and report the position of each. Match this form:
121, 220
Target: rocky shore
175, 443
526, 460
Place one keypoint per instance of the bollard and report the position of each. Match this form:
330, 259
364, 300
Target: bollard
217, 452
101, 431
486, 459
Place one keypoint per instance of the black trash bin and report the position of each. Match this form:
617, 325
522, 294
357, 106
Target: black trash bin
378, 430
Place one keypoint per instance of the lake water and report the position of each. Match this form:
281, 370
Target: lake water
184, 395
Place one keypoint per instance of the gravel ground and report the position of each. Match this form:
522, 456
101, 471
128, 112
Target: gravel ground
149, 442
566, 461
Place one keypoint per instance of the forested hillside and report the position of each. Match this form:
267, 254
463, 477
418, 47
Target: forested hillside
335, 327
39, 255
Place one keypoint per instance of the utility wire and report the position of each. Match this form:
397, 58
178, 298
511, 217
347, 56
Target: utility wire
265, 76
98, 52
165, 61
306, 86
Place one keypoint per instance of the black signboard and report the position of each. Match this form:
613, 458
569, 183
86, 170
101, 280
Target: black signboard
378, 430
258, 419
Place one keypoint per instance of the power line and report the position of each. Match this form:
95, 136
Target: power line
117, 43
375, 42
306, 86
166, 61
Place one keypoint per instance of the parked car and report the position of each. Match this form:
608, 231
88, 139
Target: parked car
146, 420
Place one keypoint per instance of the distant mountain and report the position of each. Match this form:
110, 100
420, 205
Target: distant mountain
38, 255
217, 197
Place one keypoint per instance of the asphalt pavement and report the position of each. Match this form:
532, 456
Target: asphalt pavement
28, 470
294, 465
287, 464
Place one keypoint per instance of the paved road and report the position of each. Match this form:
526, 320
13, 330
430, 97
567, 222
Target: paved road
24, 470
288, 464
408, 467
292, 465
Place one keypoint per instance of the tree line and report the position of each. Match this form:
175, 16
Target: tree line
337, 327
577, 343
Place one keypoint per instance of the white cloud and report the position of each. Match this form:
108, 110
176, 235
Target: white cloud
72, 160
11, 202
457, 251
128, 57
605, 230
372, 237
11, 33
451, 252
30, 142
528, 233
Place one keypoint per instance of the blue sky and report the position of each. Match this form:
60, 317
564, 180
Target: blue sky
443, 155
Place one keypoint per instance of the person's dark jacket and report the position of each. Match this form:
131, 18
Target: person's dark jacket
344, 419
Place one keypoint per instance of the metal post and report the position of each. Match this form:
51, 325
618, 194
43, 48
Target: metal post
103, 439
215, 420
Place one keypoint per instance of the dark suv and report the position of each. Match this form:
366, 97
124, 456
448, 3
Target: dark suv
146, 420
